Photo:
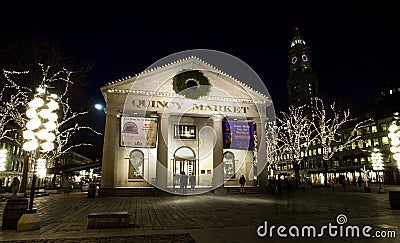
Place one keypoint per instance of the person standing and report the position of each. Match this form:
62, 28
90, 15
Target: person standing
183, 182
15, 187
192, 181
360, 181
242, 181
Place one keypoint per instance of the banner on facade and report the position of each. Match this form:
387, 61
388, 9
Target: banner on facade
138, 132
238, 135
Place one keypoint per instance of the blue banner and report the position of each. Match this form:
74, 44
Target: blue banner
238, 135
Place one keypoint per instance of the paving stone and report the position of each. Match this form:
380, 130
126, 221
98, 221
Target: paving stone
170, 218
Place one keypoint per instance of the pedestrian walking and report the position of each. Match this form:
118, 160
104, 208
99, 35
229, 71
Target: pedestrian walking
192, 181
242, 181
183, 182
15, 187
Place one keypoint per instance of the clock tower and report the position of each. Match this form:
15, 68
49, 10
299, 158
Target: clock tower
302, 82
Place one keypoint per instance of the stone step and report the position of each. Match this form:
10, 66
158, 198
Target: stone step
247, 190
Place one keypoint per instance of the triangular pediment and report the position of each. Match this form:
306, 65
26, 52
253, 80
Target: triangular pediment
159, 81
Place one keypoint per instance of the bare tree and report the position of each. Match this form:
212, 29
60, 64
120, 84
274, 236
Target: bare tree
327, 125
13, 98
294, 136
14, 103
271, 134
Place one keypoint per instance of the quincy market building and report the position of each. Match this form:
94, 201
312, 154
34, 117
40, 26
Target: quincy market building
156, 130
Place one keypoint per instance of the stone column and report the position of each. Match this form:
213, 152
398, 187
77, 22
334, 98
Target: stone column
218, 172
262, 169
162, 150
111, 143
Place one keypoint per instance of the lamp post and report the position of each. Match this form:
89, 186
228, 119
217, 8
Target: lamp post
39, 134
3, 159
394, 135
377, 164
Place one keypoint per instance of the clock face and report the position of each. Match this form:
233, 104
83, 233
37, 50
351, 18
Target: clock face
304, 58
294, 60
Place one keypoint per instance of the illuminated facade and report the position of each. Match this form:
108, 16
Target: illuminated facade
156, 129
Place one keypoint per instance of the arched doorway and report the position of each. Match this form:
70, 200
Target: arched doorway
136, 165
184, 161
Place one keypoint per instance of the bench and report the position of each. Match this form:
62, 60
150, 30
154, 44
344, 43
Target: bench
104, 220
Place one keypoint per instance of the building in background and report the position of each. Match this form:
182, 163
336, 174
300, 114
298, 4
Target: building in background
348, 162
302, 84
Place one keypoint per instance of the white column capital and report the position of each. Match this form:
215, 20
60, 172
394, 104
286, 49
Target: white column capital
112, 112
217, 118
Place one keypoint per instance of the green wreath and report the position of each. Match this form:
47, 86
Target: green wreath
191, 84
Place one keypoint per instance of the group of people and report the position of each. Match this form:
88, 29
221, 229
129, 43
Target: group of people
183, 181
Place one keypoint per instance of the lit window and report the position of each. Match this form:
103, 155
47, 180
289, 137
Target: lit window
184, 132
368, 143
376, 142
374, 129
385, 140
383, 127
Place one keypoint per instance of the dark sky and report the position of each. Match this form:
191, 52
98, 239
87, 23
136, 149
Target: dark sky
354, 46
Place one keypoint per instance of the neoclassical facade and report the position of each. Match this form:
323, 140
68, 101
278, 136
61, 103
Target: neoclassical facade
184, 117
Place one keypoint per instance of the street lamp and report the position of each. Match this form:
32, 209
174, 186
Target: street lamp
3, 159
394, 135
39, 134
377, 164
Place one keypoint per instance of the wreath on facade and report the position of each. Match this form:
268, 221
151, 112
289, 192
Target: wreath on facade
192, 84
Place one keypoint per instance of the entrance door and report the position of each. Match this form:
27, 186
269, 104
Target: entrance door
184, 161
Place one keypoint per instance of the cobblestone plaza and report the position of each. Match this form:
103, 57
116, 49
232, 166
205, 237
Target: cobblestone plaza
218, 217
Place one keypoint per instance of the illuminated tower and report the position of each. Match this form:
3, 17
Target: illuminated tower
302, 82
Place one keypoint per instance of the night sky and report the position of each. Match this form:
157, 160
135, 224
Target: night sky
354, 47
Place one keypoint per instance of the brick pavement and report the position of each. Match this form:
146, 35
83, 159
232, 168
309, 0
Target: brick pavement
209, 217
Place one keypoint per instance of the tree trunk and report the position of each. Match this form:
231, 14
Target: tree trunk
296, 169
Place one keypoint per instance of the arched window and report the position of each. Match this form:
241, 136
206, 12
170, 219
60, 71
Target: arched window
229, 165
21, 166
16, 165
136, 165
